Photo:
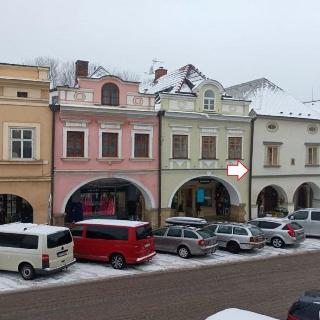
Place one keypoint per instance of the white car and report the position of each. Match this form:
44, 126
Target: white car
309, 218
35, 249
238, 314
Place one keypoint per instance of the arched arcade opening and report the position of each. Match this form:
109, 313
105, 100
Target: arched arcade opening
113, 198
307, 195
272, 200
14, 208
206, 197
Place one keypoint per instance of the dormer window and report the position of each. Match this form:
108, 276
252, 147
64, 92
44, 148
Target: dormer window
208, 100
110, 95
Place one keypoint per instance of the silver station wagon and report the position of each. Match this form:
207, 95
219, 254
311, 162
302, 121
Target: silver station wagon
185, 241
236, 236
309, 219
280, 231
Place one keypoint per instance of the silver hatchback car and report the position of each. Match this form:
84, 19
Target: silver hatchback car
236, 236
184, 241
309, 219
280, 231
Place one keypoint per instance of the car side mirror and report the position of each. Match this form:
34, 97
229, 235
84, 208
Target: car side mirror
291, 217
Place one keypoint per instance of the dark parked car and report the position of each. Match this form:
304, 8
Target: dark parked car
307, 307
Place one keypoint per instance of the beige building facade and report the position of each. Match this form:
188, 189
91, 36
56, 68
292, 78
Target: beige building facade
25, 144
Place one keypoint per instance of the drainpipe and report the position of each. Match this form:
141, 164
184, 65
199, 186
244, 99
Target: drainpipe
251, 165
54, 108
160, 115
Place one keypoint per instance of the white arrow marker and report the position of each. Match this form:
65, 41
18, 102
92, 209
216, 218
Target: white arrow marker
238, 170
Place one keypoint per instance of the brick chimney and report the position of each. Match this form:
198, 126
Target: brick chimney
160, 72
81, 69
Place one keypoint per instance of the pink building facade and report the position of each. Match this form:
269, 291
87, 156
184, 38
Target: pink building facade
105, 149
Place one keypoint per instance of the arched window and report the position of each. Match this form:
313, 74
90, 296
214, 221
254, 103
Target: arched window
208, 100
110, 95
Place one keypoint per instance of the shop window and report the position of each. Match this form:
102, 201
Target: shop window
21, 142
110, 95
180, 146
109, 144
208, 100
208, 147
75, 144
312, 155
141, 145
235, 148
272, 156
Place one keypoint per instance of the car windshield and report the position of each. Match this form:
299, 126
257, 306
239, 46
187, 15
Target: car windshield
143, 232
255, 231
204, 234
58, 239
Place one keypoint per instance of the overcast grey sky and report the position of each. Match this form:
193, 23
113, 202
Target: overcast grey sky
231, 41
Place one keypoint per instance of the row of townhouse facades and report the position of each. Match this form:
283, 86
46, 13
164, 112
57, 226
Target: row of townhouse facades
120, 149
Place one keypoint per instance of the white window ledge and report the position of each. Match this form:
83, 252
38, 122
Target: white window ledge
141, 159
75, 159
23, 161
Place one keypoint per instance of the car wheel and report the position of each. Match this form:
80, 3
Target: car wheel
117, 261
27, 272
183, 252
277, 242
233, 247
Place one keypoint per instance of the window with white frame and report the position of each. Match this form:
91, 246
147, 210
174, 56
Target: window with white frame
75, 144
109, 144
208, 100
75, 140
142, 139
141, 145
234, 148
21, 143
208, 147
312, 155
179, 146
272, 155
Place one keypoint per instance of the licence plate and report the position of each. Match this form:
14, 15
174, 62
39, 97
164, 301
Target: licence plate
62, 253
147, 245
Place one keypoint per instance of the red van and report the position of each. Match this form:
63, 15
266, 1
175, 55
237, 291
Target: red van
120, 242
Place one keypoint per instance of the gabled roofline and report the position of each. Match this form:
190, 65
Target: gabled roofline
111, 76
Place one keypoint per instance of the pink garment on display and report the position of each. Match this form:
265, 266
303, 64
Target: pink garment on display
110, 207
103, 207
87, 205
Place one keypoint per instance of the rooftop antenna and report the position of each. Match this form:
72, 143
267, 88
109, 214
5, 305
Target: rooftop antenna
152, 67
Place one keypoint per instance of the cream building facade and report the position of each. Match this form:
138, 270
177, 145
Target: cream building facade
25, 144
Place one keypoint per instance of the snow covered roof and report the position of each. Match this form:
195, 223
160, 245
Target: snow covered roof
181, 80
315, 103
269, 99
113, 222
99, 73
30, 228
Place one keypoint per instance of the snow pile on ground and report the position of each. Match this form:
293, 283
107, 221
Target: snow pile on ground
83, 271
